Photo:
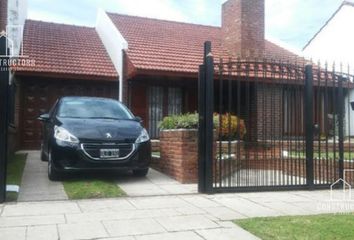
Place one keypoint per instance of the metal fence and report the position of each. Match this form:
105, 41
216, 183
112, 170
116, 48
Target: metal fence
277, 125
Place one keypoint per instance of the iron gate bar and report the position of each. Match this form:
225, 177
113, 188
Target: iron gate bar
341, 103
206, 124
326, 119
309, 124
209, 112
4, 87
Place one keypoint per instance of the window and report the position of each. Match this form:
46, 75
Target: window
155, 110
174, 101
163, 102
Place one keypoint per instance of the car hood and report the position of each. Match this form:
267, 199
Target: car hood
102, 129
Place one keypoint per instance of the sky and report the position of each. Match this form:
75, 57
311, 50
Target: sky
289, 22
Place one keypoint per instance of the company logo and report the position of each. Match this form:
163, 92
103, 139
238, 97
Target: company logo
341, 199
341, 190
108, 135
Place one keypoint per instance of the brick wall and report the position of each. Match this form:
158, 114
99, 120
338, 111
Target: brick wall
243, 24
3, 15
267, 112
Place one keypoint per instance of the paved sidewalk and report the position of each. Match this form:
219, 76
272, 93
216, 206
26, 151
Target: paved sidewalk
143, 218
35, 183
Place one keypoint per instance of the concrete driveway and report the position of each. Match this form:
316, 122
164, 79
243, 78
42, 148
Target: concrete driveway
37, 187
35, 183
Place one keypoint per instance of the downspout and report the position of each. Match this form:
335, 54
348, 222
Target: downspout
121, 77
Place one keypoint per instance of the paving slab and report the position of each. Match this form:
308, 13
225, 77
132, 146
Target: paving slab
247, 208
224, 213
161, 202
226, 233
42, 233
154, 184
133, 227
183, 223
40, 208
122, 215
31, 220
171, 236
118, 238
104, 205
81, 231
35, 183
18, 233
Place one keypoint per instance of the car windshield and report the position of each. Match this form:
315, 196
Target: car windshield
93, 108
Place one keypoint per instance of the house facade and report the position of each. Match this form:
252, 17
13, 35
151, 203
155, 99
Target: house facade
333, 44
149, 64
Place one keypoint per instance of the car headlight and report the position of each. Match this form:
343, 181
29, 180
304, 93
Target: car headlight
63, 135
143, 137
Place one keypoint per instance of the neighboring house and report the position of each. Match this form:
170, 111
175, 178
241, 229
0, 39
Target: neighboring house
151, 65
13, 14
334, 43
69, 60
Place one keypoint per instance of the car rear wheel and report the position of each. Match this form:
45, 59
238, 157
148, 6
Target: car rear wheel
140, 172
53, 174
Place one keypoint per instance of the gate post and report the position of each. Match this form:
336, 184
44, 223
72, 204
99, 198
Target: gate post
341, 104
201, 130
308, 113
4, 84
206, 124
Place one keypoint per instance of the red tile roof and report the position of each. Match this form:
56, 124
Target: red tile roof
162, 45
60, 49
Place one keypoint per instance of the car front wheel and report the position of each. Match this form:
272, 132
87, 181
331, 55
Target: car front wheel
53, 174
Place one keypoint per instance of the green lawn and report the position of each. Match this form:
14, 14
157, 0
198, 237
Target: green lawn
347, 155
92, 188
15, 166
301, 228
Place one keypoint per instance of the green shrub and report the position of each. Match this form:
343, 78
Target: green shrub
184, 121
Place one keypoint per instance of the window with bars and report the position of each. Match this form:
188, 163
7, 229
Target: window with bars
174, 101
160, 106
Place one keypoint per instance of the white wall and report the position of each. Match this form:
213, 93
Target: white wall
17, 15
114, 43
335, 43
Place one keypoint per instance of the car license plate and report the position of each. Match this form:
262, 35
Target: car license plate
109, 153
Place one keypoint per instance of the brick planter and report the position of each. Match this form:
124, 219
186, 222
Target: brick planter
179, 154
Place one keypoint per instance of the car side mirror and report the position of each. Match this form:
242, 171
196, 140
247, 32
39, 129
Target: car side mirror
44, 117
138, 119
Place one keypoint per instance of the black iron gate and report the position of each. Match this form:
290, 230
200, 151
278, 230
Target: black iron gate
273, 125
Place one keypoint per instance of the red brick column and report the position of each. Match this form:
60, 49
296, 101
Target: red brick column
179, 154
3, 15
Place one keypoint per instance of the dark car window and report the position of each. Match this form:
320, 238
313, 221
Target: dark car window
93, 108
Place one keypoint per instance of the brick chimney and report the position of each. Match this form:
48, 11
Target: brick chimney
243, 25
3, 15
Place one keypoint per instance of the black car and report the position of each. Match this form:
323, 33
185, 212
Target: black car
85, 133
